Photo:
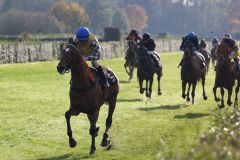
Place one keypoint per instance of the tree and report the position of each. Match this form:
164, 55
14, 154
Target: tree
137, 17
234, 16
100, 13
71, 15
120, 21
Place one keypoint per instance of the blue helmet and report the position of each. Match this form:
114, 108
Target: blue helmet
82, 33
191, 34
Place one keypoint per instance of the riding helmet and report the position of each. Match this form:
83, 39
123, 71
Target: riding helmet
146, 35
82, 33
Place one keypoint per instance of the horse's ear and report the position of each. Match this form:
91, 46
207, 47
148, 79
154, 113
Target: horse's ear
70, 40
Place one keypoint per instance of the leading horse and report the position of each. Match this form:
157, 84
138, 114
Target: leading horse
192, 70
87, 94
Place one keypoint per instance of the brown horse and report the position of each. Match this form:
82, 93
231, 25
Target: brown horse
192, 70
225, 75
87, 94
131, 59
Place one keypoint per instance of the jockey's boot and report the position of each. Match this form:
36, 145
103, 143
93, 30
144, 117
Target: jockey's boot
102, 76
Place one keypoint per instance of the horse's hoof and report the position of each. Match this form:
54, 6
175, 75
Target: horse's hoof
183, 96
188, 99
217, 99
92, 151
229, 103
72, 143
235, 104
159, 93
105, 142
141, 91
205, 97
221, 106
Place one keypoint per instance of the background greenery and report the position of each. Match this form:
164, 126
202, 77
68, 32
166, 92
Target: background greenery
34, 98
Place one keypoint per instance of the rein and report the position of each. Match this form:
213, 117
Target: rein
78, 89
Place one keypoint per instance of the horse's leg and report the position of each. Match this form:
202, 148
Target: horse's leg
159, 87
229, 102
193, 91
131, 72
68, 114
147, 89
140, 85
112, 103
150, 87
184, 83
93, 129
215, 92
236, 94
222, 100
189, 87
203, 87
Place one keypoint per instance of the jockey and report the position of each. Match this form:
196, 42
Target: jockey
89, 47
215, 42
150, 45
232, 43
192, 37
203, 48
133, 37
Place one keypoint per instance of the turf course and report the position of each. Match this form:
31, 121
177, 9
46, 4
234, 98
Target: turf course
34, 98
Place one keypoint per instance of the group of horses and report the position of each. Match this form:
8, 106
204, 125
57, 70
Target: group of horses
87, 94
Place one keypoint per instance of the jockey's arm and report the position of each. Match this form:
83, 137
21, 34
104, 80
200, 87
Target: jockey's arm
96, 49
235, 50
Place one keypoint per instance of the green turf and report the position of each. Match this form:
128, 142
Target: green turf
34, 98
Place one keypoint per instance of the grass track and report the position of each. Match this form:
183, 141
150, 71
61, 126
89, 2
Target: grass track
34, 98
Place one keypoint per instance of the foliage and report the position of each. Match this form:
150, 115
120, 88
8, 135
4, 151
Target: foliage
222, 141
16, 22
137, 17
34, 98
119, 20
234, 16
71, 15
100, 13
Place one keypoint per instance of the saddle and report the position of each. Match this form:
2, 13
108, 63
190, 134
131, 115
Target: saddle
112, 79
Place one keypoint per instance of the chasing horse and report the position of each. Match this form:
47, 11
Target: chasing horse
227, 70
131, 56
193, 67
148, 65
89, 90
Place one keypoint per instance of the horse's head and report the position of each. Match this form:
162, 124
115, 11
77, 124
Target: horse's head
223, 51
188, 45
69, 58
141, 51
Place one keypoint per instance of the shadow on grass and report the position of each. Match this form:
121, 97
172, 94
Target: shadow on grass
67, 156
191, 116
130, 100
164, 107
124, 82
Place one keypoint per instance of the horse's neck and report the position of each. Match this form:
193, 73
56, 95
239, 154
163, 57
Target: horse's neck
80, 76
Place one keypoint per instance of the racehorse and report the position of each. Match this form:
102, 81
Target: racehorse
131, 59
145, 71
225, 75
214, 55
192, 70
87, 94
206, 55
